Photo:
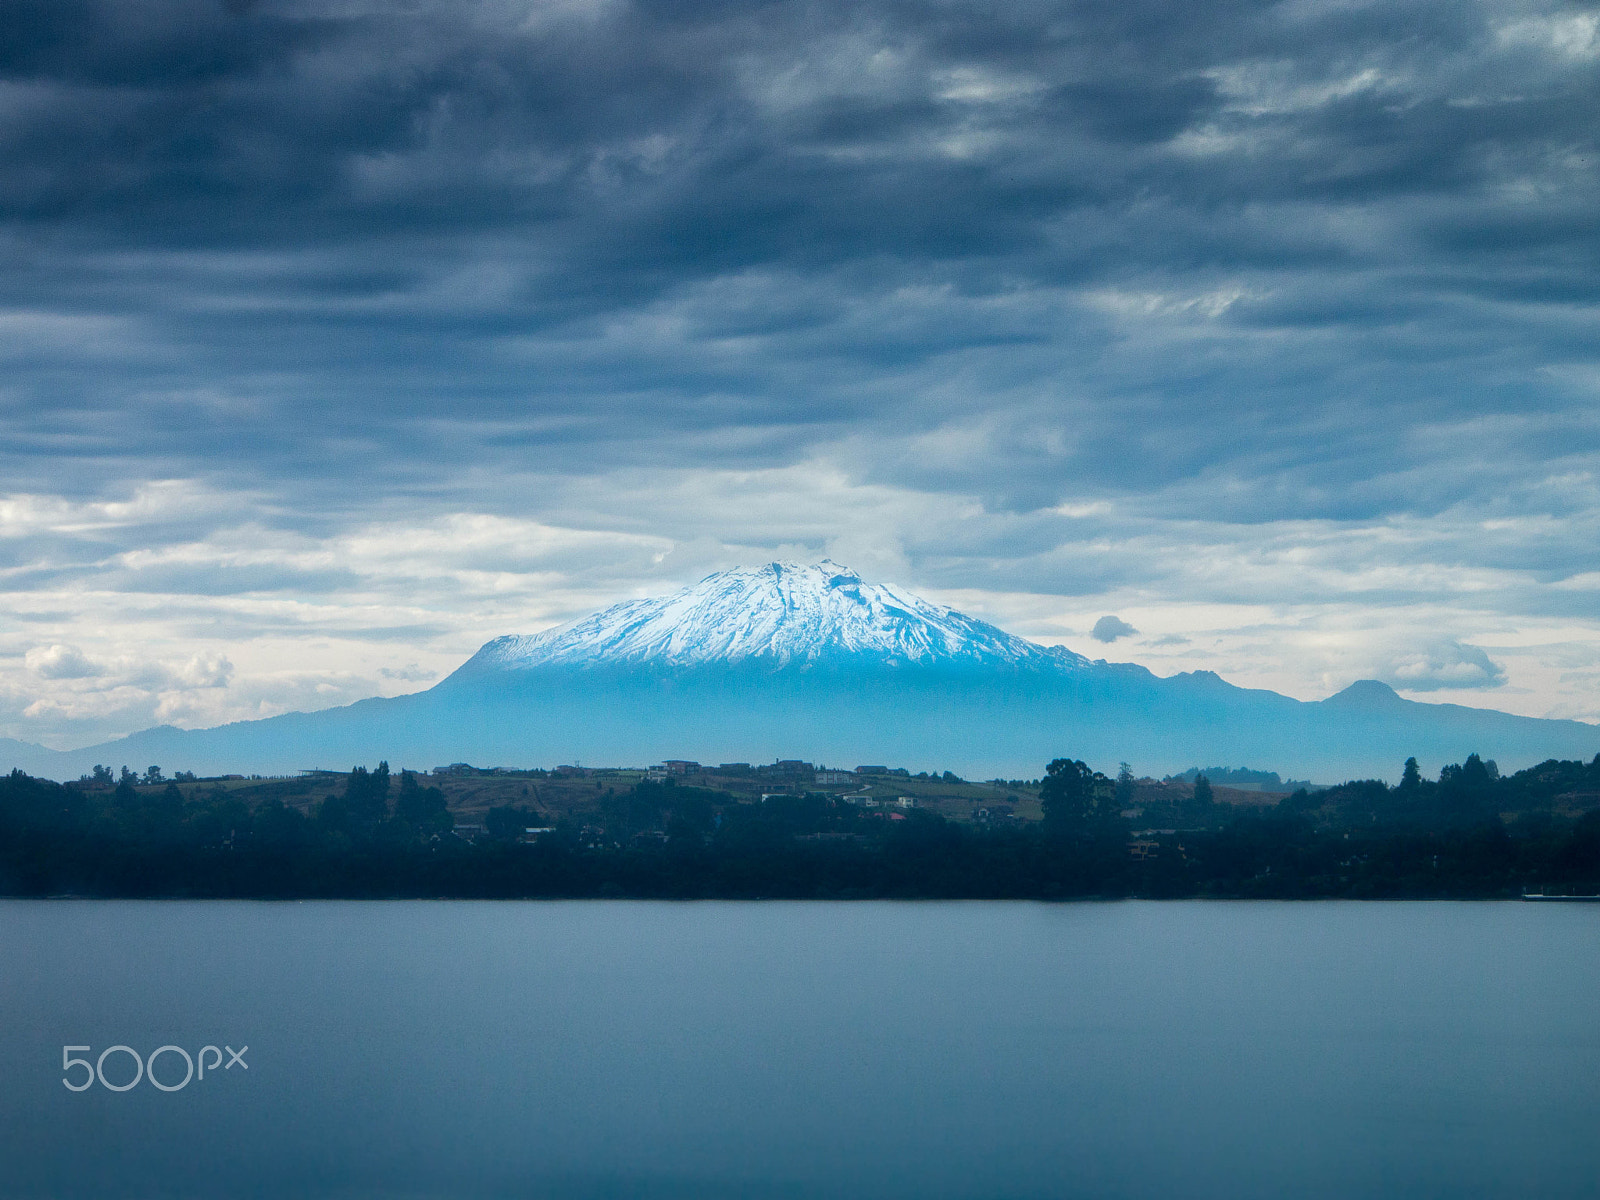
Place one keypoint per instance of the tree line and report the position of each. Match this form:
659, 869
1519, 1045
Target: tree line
1470, 833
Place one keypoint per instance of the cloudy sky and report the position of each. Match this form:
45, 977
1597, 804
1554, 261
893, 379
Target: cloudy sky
337, 337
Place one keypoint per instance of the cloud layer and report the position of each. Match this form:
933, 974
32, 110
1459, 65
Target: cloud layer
337, 335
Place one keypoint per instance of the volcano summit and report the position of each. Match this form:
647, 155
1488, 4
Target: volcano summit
778, 615
809, 660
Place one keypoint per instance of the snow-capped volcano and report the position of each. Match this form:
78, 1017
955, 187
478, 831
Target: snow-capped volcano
783, 612
718, 672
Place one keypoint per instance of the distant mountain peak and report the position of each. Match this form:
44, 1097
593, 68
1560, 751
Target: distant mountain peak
1367, 693
779, 613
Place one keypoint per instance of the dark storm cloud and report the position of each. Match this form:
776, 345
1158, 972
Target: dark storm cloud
1260, 260
1109, 629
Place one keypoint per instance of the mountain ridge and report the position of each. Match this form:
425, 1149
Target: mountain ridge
810, 661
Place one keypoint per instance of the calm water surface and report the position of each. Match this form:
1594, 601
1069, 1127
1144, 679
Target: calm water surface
806, 1050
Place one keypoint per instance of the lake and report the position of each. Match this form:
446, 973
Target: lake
642, 1050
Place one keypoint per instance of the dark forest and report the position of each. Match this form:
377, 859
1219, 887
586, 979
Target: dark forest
1471, 833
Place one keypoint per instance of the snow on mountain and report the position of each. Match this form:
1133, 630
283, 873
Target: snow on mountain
782, 612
